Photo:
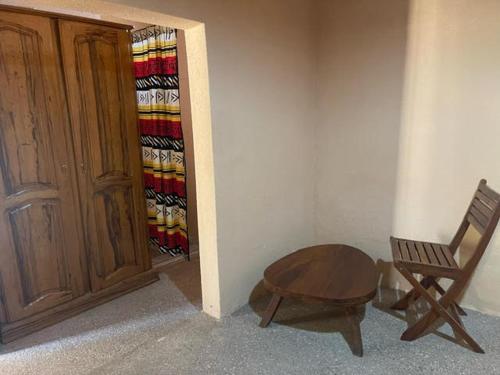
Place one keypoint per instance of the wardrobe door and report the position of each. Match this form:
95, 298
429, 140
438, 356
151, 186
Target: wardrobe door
102, 101
41, 254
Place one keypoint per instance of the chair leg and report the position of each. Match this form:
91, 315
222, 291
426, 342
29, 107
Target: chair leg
441, 291
404, 302
271, 310
411, 296
439, 308
420, 326
455, 314
460, 310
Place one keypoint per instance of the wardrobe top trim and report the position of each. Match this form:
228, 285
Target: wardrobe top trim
36, 12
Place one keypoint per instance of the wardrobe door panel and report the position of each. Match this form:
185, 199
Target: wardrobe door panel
24, 163
42, 260
102, 103
99, 81
115, 229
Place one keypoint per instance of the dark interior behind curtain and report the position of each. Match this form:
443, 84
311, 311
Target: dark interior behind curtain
157, 83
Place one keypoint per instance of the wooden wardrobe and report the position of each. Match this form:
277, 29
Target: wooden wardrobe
72, 207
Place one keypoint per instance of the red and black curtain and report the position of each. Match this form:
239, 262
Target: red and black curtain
157, 83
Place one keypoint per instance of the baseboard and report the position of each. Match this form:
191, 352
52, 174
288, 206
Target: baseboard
15, 330
161, 262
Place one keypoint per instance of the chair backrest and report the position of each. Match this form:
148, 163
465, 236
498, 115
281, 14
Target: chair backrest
483, 214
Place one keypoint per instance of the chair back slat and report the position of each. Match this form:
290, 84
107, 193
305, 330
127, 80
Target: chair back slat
489, 192
485, 200
483, 214
484, 205
437, 261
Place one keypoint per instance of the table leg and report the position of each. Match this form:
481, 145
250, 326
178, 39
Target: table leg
354, 325
271, 310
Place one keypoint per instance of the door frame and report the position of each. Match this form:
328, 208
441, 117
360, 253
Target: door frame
198, 106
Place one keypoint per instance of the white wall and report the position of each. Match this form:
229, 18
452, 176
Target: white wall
261, 80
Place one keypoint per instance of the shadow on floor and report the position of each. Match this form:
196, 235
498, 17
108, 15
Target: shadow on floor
322, 317
387, 297
187, 278
315, 317
178, 290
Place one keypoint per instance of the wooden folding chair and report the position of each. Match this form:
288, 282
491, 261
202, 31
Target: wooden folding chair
434, 261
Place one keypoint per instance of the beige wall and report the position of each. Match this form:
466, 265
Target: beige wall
451, 127
262, 108
361, 65
321, 134
261, 81
408, 127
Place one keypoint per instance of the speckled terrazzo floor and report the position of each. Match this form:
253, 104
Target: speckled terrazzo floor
160, 330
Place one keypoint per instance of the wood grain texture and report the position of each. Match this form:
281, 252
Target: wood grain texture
102, 104
338, 274
58, 16
483, 214
42, 260
418, 256
271, 309
72, 209
354, 326
335, 273
12, 331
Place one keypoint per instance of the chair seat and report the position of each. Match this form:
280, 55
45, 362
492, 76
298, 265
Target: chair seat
426, 258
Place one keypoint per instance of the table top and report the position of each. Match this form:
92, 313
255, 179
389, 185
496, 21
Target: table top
339, 274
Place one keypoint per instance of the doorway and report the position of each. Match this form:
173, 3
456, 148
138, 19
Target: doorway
199, 104
164, 120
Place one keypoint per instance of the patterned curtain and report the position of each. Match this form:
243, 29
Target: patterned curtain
157, 83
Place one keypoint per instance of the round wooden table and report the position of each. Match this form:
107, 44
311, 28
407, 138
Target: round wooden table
338, 274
